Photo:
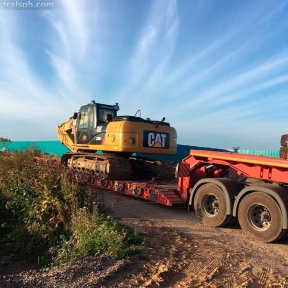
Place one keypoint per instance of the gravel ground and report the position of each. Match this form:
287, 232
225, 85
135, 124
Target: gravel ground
179, 252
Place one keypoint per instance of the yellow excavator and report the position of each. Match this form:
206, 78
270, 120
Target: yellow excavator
104, 144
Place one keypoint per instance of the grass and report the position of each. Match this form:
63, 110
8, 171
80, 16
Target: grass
44, 216
96, 234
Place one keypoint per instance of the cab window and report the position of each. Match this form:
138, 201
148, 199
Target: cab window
102, 115
83, 122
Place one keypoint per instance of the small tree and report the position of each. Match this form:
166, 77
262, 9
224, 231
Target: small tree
2, 139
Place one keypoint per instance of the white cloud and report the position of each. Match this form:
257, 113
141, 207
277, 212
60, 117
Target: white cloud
155, 46
274, 12
70, 22
187, 65
254, 88
23, 98
70, 47
17, 79
241, 80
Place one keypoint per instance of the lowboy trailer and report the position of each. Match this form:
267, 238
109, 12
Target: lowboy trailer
221, 186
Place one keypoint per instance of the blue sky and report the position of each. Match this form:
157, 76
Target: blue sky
217, 70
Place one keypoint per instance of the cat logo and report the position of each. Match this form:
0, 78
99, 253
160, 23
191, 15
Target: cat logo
156, 140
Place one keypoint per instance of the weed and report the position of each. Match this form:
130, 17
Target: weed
95, 234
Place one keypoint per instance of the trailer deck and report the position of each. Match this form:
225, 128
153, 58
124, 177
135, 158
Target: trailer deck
261, 167
162, 193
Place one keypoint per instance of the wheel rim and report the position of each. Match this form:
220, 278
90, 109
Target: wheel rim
259, 217
210, 205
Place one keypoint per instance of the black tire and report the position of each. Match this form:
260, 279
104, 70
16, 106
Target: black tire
210, 205
260, 216
283, 152
284, 140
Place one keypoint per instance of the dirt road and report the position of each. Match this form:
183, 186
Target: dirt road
179, 252
183, 253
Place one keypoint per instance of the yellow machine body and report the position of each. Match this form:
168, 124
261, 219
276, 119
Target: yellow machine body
88, 131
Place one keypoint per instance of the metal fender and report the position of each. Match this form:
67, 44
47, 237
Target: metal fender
278, 193
229, 187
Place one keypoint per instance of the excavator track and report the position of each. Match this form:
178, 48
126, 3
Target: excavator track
114, 167
100, 166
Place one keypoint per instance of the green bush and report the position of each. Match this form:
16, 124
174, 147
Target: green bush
36, 201
40, 214
95, 234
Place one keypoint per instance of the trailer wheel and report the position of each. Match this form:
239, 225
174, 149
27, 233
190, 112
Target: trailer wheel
284, 140
260, 216
210, 205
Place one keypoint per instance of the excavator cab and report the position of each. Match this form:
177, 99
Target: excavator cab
92, 120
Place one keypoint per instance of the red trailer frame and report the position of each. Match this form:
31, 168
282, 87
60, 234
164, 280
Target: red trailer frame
221, 186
